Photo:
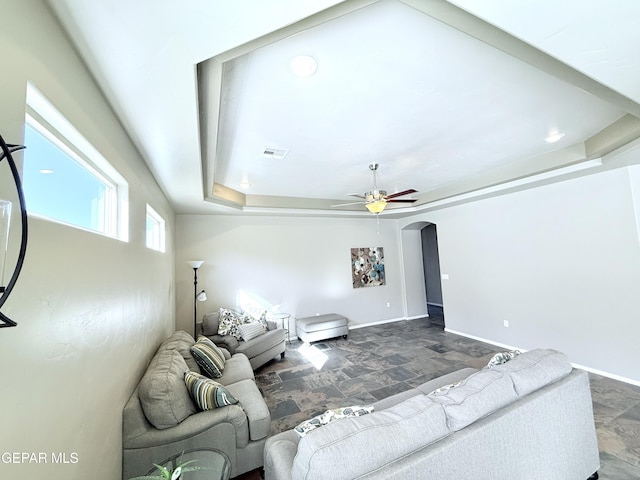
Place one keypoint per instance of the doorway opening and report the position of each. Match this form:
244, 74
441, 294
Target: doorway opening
432, 278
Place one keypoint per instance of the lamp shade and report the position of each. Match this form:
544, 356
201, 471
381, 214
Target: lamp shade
202, 296
195, 263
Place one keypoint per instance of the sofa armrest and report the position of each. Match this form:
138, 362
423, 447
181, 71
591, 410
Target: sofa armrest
279, 452
228, 342
143, 434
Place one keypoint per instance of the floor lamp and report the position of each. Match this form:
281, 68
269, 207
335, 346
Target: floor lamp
6, 151
197, 297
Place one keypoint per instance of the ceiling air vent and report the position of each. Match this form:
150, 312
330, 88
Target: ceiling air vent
274, 152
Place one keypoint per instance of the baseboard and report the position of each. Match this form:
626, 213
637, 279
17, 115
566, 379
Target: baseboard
355, 326
575, 365
613, 376
485, 340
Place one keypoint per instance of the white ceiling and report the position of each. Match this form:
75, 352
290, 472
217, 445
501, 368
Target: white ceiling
443, 100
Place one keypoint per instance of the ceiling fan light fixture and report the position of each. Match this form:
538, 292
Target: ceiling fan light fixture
376, 206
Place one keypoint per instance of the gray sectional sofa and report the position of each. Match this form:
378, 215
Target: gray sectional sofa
160, 419
528, 418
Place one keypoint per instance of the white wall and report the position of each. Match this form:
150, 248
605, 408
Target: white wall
561, 263
91, 310
301, 263
413, 270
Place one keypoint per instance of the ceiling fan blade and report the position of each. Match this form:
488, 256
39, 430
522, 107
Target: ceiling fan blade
345, 204
399, 194
356, 195
405, 200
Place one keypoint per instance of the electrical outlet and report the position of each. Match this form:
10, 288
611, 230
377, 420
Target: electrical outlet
506, 323
388, 304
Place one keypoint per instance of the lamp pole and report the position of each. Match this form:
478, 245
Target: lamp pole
195, 264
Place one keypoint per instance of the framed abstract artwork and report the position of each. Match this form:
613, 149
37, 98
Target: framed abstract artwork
367, 267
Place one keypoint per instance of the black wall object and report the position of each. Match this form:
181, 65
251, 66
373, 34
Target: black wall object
6, 152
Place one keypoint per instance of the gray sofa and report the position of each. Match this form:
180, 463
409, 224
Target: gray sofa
161, 420
528, 418
258, 350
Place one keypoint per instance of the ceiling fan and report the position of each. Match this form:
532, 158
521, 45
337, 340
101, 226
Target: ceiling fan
376, 200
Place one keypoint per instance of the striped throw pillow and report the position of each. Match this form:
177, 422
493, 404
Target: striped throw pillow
251, 330
206, 393
209, 357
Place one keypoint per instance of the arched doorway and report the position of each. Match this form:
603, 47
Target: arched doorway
423, 288
432, 279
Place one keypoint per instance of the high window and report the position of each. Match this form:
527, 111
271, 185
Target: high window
65, 178
155, 230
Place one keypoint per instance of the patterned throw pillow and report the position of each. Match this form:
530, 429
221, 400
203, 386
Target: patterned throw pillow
206, 393
251, 330
209, 357
263, 320
445, 388
229, 323
502, 357
331, 415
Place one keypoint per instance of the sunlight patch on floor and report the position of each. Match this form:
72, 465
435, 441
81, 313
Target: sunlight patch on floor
314, 355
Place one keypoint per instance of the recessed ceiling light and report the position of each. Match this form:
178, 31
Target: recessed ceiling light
554, 137
245, 184
303, 65
46, 171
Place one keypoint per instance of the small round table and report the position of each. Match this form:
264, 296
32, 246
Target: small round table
214, 463
283, 318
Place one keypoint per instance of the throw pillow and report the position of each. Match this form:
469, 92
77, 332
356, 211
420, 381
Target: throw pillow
263, 320
163, 397
229, 323
206, 393
330, 416
209, 357
251, 330
502, 357
210, 323
445, 389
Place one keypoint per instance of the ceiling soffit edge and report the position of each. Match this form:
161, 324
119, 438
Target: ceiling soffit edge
613, 137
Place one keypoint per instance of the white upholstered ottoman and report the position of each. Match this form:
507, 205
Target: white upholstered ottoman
321, 327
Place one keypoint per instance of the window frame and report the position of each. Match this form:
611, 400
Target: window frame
161, 231
47, 121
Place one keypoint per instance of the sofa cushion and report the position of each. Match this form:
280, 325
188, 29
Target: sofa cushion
444, 380
182, 341
209, 357
375, 439
163, 395
476, 396
249, 396
236, 369
206, 393
534, 369
261, 344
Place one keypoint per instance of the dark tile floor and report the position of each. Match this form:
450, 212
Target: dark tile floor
378, 361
